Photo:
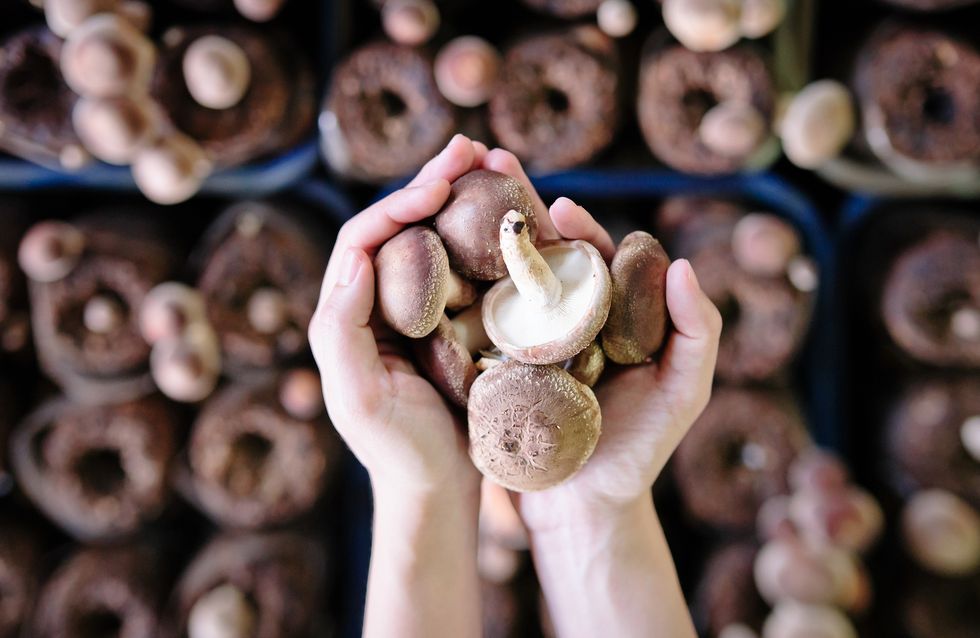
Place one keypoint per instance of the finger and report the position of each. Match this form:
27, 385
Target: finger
450, 164
480, 151
506, 162
688, 364
355, 379
384, 219
574, 222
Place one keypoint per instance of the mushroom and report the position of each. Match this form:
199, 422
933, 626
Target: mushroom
259, 10
223, 612
764, 245
171, 169
469, 223
103, 314
415, 284
616, 18
410, 22
761, 17
217, 72
703, 25
942, 532
267, 310
301, 394
168, 310
816, 469
791, 619
554, 302
970, 436
186, 368
733, 129
466, 70
531, 427
845, 517
638, 315
106, 56
817, 123
114, 129
588, 365
446, 354
788, 569
50, 250
63, 16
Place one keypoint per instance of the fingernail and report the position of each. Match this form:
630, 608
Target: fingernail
349, 268
691, 275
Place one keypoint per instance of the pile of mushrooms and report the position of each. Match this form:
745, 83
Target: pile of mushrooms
517, 331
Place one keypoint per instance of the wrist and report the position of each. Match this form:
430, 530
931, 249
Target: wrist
582, 524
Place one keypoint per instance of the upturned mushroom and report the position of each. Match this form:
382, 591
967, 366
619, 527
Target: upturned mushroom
446, 354
223, 612
469, 223
50, 250
64, 15
554, 302
187, 368
638, 315
415, 284
817, 124
169, 309
106, 56
114, 129
531, 427
217, 72
171, 169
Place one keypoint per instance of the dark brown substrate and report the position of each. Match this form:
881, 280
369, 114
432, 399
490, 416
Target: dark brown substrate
19, 554
726, 594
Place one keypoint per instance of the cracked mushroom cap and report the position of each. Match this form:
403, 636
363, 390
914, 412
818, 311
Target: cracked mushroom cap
469, 223
638, 314
531, 427
415, 285
554, 302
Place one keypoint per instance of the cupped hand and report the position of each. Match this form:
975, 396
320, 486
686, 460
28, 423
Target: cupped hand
392, 419
646, 409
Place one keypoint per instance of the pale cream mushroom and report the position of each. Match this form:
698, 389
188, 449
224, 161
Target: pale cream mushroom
638, 316
63, 16
764, 245
846, 517
790, 619
103, 314
466, 70
817, 123
186, 368
169, 309
942, 532
446, 354
106, 56
217, 72
616, 18
301, 394
970, 436
415, 284
531, 427
733, 129
50, 250
259, 10
554, 302
171, 169
223, 612
789, 569
267, 310
704, 25
114, 129
410, 22
761, 17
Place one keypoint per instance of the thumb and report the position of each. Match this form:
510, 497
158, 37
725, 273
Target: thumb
343, 342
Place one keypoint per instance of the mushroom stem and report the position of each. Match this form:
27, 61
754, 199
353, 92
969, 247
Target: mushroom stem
267, 310
970, 436
527, 268
102, 314
468, 326
965, 323
459, 292
301, 394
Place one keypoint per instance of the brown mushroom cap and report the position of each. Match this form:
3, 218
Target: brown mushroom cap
764, 244
588, 365
414, 282
469, 223
466, 70
106, 56
446, 354
638, 314
554, 302
531, 427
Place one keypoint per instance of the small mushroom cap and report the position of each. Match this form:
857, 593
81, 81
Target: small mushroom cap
412, 272
942, 532
764, 244
817, 124
223, 612
217, 72
733, 129
466, 70
106, 56
103, 314
64, 15
410, 22
849, 518
638, 314
616, 18
532, 334
446, 362
186, 368
259, 10
301, 394
531, 427
113, 129
169, 309
171, 170
588, 365
703, 25
761, 17
970, 436
788, 569
792, 619
50, 250
267, 310
817, 469
469, 223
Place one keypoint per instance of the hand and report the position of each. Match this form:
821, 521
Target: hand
392, 419
646, 409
